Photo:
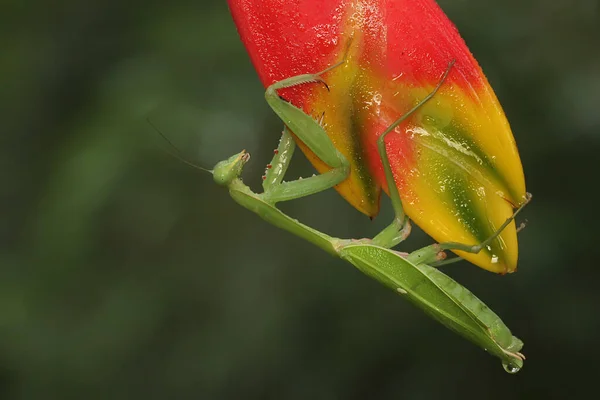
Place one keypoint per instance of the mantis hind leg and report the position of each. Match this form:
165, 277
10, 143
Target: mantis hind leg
433, 255
478, 247
399, 229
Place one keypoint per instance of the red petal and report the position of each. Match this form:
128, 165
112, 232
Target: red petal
455, 161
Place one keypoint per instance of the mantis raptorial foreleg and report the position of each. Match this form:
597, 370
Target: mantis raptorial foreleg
278, 166
313, 135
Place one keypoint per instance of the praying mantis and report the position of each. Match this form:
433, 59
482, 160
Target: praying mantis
413, 276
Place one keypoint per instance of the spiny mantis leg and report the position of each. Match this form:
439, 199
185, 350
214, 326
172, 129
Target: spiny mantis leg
278, 166
274, 189
313, 135
399, 229
431, 255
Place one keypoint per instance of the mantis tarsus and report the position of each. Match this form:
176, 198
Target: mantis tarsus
412, 276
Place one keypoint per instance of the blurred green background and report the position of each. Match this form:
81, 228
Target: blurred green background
126, 274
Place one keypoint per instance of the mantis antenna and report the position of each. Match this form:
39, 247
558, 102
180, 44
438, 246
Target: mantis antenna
174, 151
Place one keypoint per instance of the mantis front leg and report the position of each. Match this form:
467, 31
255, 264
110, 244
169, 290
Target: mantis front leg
312, 134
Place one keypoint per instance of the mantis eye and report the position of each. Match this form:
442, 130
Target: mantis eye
227, 170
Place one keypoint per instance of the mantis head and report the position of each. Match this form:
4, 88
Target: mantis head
227, 171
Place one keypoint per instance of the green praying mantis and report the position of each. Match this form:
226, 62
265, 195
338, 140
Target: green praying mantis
413, 276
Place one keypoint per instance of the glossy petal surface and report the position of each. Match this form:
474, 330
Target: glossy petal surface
455, 161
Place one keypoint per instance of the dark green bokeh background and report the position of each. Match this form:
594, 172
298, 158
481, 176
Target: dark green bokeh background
126, 274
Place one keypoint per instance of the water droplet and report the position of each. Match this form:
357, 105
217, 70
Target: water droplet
511, 368
494, 259
377, 98
428, 119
